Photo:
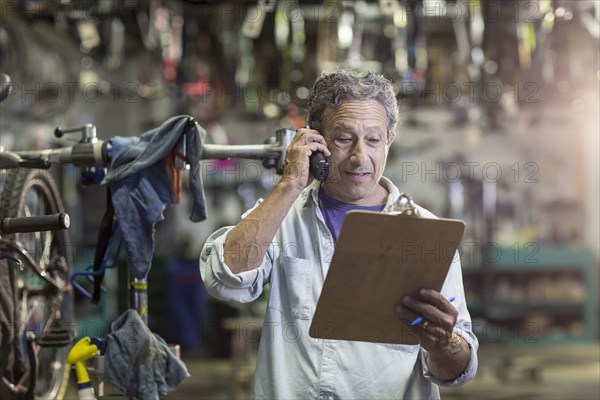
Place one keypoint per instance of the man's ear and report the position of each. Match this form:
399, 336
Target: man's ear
391, 137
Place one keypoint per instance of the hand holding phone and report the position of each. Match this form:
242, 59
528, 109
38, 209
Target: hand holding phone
319, 167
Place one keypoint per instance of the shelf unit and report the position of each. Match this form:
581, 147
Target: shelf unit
543, 295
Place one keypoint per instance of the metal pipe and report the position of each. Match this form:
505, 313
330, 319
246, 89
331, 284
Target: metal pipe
138, 296
248, 151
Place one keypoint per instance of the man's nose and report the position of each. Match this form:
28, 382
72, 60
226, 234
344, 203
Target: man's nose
359, 154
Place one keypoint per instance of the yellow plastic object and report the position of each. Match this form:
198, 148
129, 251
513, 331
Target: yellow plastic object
80, 352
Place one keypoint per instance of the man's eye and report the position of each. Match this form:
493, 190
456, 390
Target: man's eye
344, 140
375, 140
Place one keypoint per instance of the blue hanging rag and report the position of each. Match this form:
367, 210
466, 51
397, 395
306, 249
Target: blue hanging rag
138, 362
141, 187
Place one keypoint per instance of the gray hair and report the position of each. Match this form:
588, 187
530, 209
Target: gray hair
335, 88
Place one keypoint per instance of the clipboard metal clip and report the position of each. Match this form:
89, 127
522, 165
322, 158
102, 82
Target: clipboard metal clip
405, 206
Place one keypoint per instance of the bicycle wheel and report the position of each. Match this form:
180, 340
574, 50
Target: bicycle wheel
45, 297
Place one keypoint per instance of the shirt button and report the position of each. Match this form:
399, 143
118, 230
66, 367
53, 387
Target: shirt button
329, 355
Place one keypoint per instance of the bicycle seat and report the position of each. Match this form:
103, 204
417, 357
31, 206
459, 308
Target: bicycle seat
4, 86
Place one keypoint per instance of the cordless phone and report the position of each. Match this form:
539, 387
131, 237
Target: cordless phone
319, 166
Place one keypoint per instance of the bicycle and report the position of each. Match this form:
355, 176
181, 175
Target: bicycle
40, 277
44, 290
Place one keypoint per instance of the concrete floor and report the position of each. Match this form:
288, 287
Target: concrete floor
540, 372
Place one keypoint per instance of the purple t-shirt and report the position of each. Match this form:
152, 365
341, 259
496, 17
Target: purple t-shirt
335, 211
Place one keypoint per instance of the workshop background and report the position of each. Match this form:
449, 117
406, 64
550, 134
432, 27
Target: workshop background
499, 127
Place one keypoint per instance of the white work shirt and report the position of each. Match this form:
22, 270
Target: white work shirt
293, 365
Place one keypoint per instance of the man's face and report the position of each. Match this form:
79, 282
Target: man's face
356, 134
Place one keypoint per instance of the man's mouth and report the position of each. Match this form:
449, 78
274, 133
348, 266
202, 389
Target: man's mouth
358, 175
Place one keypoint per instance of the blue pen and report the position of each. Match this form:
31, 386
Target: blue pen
418, 320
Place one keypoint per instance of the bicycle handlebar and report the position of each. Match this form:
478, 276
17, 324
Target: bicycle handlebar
83, 154
272, 153
224, 151
34, 224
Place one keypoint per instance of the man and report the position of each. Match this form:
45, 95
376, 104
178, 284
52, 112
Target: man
287, 241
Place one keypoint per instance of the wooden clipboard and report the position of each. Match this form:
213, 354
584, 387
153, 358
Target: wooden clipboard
378, 259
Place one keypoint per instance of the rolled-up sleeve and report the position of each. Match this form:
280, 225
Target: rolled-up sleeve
468, 373
220, 282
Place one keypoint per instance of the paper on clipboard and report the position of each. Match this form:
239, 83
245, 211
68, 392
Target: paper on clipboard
378, 259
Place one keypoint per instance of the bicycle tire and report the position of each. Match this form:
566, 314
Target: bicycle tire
44, 303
